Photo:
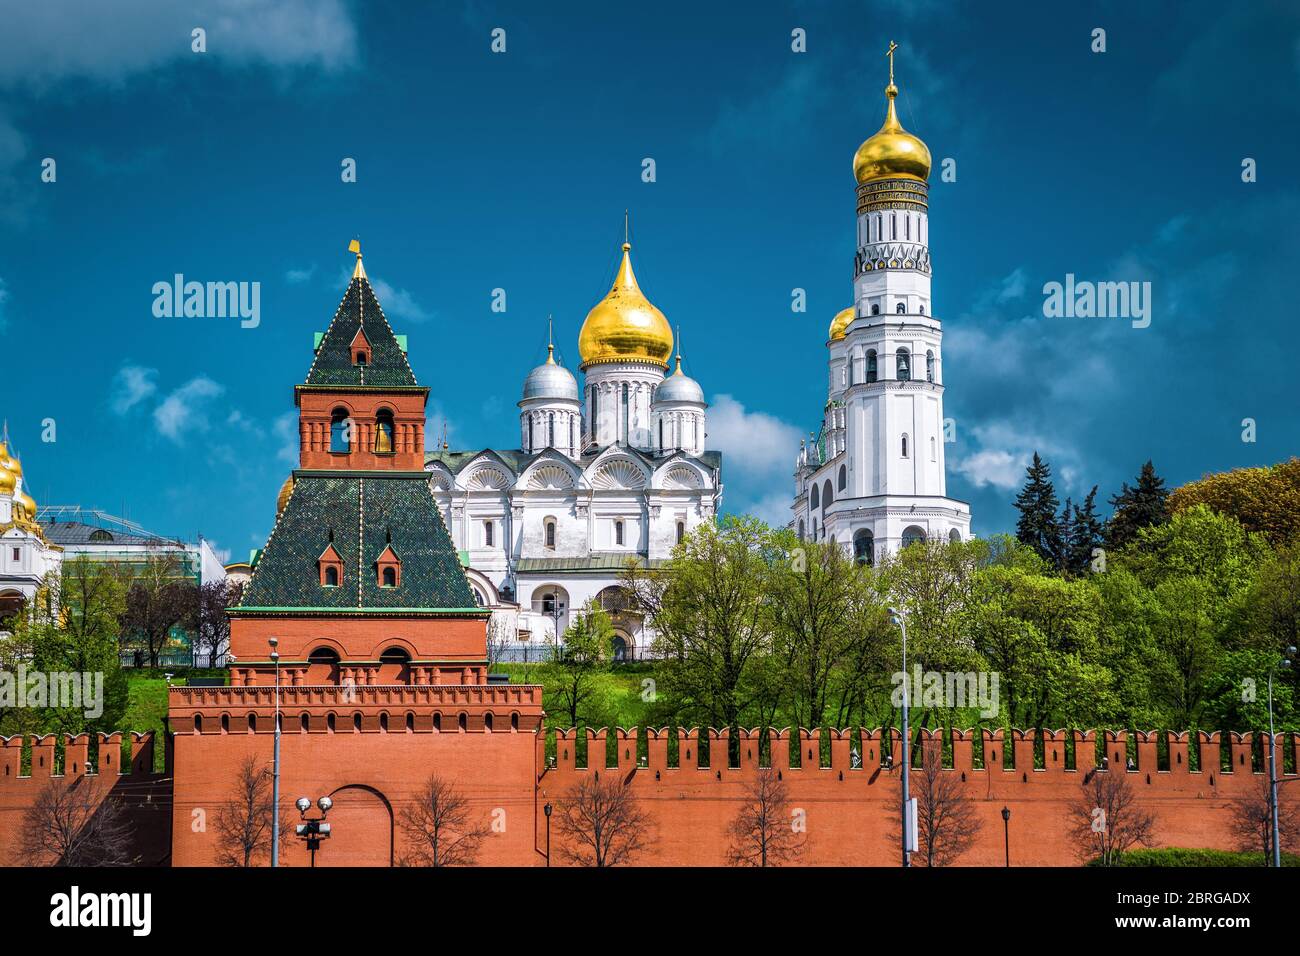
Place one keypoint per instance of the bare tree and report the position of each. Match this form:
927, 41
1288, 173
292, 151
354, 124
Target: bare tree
243, 823
159, 599
1107, 821
763, 833
213, 624
439, 827
602, 821
75, 823
500, 630
947, 822
1252, 822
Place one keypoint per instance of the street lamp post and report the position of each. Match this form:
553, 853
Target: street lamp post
547, 810
313, 831
1272, 758
896, 617
1006, 832
275, 763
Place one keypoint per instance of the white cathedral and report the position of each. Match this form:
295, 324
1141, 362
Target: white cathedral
873, 479
612, 472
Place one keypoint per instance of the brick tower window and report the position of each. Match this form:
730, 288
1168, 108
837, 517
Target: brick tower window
384, 432
340, 431
360, 348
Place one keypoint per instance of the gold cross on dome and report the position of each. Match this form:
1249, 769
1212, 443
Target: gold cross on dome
890, 53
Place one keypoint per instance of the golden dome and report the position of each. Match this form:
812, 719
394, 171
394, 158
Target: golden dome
893, 152
28, 505
624, 325
282, 499
8, 481
840, 324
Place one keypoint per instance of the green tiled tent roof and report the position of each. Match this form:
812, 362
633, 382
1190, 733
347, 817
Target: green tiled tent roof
333, 363
366, 512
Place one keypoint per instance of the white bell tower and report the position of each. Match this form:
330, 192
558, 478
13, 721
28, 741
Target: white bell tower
875, 478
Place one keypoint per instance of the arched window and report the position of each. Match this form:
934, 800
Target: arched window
904, 444
828, 496
954, 536
871, 365
844, 478
389, 578
929, 366
801, 529
903, 365
933, 450
864, 547
681, 531
384, 432
901, 308
331, 577
815, 497
340, 431
913, 535
550, 425
550, 532
875, 309
625, 408
487, 533
661, 434
618, 532
595, 411
893, 226
920, 309
530, 434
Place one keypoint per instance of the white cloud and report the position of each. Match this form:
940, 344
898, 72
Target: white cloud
399, 303
131, 385
56, 40
755, 443
285, 431
299, 276
184, 411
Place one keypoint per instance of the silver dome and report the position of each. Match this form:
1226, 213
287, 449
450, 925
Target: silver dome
680, 388
551, 381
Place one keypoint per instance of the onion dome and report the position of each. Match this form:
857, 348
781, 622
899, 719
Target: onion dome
8, 480
551, 380
624, 326
282, 499
893, 152
840, 324
679, 387
27, 504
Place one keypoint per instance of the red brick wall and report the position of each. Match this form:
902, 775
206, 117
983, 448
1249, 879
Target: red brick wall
145, 795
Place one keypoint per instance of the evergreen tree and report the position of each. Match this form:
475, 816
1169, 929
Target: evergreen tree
1136, 508
1065, 536
1037, 527
1085, 534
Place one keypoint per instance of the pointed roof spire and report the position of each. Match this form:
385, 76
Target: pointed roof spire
679, 351
550, 341
360, 271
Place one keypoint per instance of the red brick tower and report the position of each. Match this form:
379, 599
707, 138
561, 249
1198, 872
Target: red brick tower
382, 668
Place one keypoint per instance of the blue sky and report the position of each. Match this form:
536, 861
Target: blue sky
478, 171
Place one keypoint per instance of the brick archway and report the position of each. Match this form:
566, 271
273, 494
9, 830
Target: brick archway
361, 824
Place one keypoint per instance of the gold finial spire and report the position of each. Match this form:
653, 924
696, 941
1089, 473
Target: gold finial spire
679, 351
890, 53
627, 231
550, 341
360, 271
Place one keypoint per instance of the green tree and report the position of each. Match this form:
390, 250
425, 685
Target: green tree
1142, 506
1037, 526
709, 610
1084, 532
829, 628
574, 668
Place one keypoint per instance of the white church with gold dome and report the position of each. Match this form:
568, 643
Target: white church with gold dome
606, 472
27, 557
873, 479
